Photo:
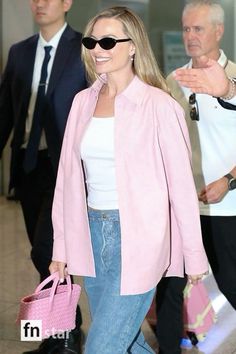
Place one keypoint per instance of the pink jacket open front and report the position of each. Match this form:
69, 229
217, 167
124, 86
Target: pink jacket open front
159, 215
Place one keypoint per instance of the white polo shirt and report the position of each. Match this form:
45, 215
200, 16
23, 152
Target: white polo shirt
213, 140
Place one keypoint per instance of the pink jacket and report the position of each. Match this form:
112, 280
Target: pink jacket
159, 216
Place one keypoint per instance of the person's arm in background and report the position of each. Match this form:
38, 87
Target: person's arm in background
215, 191
210, 79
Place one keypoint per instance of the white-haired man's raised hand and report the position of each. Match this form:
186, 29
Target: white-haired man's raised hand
208, 78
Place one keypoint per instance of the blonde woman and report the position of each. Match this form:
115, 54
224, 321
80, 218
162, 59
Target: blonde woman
126, 143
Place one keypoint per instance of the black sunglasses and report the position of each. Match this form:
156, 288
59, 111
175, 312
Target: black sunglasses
105, 43
194, 111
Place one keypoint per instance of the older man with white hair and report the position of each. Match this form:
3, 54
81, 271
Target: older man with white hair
212, 131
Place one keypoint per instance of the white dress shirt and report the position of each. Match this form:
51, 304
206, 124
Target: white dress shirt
39, 57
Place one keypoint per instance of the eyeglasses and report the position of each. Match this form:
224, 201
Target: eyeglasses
105, 43
194, 111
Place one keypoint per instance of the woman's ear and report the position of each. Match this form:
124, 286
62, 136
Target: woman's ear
132, 50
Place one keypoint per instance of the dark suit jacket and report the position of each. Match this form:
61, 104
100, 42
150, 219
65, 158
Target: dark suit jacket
67, 78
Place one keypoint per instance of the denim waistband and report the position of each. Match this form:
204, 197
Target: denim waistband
104, 214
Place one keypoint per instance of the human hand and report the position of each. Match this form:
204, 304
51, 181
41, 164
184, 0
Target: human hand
193, 279
58, 267
214, 192
208, 78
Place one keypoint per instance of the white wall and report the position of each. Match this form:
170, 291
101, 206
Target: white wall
228, 42
17, 23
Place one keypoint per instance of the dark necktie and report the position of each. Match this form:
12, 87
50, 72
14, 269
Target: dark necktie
31, 152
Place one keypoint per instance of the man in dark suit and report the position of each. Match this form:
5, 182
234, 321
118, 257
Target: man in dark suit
38, 120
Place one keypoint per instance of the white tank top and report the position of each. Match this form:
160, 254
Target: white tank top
97, 153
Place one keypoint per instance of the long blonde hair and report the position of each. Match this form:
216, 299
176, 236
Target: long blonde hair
144, 65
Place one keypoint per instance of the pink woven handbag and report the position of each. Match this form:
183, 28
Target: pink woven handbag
199, 315
55, 306
198, 312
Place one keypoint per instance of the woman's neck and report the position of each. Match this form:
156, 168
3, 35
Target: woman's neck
116, 84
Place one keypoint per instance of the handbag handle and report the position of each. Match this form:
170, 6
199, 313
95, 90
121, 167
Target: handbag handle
56, 279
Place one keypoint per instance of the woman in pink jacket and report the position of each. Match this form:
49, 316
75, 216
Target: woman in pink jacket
125, 210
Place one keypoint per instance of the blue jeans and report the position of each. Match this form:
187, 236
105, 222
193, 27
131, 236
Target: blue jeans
116, 319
